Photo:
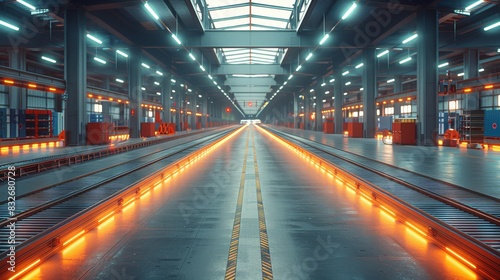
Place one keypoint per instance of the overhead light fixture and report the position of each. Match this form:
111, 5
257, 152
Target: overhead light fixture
411, 38
173, 81
120, 81
327, 92
390, 81
498, 50
26, 4
143, 88
345, 73
460, 74
324, 39
49, 59
492, 26
202, 68
100, 60
361, 88
286, 82
311, 90
323, 84
405, 60
309, 56
151, 11
345, 93
332, 80
215, 83
121, 53
473, 5
359, 65
192, 56
156, 83
158, 93
94, 39
348, 83
349, 11
159, 73
176, 39
383, 53
443, 64
210, 77
481, 70
6, 24
298, 68
145, 65
291, 76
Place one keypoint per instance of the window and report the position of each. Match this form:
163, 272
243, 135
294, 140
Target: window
97, 108
453, 105
355, 114
389, 111
406, 109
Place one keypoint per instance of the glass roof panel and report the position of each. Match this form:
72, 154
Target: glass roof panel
274, 12
223, 3
229, 23
221, 14
270, 23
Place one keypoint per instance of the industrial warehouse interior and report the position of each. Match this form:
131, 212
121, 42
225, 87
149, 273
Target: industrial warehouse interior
250, 139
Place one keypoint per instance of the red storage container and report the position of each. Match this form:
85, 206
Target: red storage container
148, 129
355, 130
98, 133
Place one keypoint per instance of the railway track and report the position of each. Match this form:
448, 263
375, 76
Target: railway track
44, 220
463, 222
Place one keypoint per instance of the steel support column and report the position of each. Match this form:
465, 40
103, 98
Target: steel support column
165, 101
471, 70
338, 102
75, 72
369, 93
427, 76
135, 91
17, 95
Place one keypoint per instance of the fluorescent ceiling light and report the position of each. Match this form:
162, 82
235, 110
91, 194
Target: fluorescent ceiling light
349, 11
291, 76
473, 5
345, 93
94, 39
324, 39
49, 59
311, 90
150, 10
176, 39
361, 88
202, 68
348, 83
215, 83
359, 65
173, 81
481, 70
121, 53
298, 68
383, 53
158, 93
100, 60
120, 81
159, 73
345, 73
156, 83
143, 88
192, 56
332, 80
190, 90
443, 65
309, 56
210, 77
405, 60
323, 84
31, 7
412, 37
492, 26
145, 65
327, 92
6, 24
460, 74
390, 81
199, 95
498, 50
286, 82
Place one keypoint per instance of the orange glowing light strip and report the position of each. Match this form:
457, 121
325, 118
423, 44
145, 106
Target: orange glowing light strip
32, 85
105, 217
387, 210
52, 89
74, 237
460, 257
90, 95
488, 86
8, 82
415, 228
467, 90
25, 269
129, 201
366, 196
